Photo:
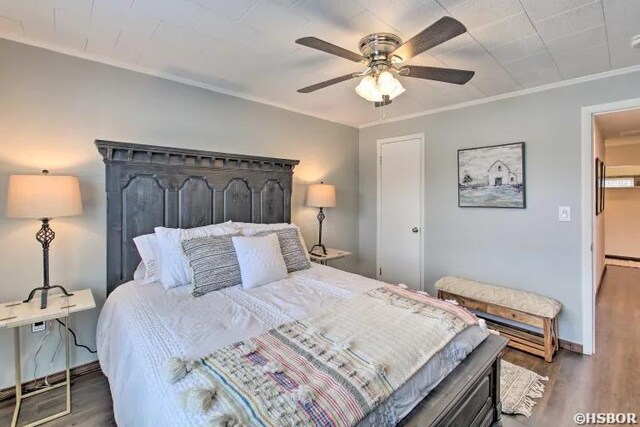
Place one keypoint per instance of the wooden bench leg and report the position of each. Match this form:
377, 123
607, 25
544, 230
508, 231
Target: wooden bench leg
555, 334
549, 345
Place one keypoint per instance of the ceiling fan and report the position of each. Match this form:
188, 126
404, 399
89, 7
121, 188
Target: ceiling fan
383, 52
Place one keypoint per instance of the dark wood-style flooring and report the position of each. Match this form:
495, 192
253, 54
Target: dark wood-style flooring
606, 382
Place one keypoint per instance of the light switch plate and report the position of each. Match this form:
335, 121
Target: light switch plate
38, 327
564, 213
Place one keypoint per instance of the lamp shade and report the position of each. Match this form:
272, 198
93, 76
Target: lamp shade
321, 196
43, 196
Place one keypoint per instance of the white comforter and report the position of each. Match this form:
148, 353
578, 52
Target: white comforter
141, 326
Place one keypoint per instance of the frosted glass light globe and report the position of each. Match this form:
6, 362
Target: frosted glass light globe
397, 90
386, 83
368, 89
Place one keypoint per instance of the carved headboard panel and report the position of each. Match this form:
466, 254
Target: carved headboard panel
149, 186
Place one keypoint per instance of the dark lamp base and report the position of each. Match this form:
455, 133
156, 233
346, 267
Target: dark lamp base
321, 246
45, 291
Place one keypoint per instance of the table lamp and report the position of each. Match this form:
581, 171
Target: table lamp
43, 197
321, 196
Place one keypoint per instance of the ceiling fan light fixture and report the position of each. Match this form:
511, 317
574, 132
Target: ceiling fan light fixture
397, 90
368, 89
386, 83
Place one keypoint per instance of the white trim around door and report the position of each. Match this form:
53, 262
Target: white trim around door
379, 143
587, 210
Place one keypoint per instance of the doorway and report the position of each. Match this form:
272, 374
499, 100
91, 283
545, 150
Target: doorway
594, 206
400, 206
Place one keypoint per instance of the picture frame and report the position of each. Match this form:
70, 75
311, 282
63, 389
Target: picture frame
600, 171
492, 176
603, 187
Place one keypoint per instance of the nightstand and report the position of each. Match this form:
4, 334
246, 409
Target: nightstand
18, 313
332, 254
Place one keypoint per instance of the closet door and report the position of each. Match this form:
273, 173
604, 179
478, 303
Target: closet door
400, 211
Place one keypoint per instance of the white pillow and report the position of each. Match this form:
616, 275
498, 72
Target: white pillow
175, 269
249, 229
260, 260
140, 272
149, 251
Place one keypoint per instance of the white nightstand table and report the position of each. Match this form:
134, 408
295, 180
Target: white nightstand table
332, 254
16, 314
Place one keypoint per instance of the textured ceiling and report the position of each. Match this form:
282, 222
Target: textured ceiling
246, 47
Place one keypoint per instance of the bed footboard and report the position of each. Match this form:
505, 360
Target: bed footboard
469, 396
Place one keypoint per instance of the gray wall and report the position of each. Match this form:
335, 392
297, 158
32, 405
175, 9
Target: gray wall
525, 249
53, 106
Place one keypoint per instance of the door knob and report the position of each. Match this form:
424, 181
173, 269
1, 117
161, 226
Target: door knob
415, 229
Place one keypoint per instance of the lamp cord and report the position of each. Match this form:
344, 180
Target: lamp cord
75, 339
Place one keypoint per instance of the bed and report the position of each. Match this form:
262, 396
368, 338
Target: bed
142, 325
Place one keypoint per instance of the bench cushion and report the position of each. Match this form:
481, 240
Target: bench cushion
511, 298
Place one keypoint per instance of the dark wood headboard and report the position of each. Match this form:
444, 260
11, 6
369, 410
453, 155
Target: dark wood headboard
149, 186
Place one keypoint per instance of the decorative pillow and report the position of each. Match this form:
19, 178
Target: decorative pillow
149, 251
140, 272
250, 229
295, 257
260, 260
213, 262
175, 270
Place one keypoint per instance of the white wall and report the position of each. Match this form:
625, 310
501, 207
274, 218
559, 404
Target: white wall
525, 249
622, 206
53, 107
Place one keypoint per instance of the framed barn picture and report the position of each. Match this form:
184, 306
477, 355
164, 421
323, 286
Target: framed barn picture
492, 177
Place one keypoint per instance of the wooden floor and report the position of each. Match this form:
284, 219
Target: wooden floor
609, 381
606, 382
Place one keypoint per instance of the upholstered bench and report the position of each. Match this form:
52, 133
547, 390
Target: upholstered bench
512, 304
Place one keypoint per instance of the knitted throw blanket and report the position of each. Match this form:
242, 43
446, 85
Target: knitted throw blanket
333, 368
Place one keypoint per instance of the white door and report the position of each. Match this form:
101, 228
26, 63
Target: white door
400, 207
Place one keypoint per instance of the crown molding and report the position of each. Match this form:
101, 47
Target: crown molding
216, 89
570, 82
168, 76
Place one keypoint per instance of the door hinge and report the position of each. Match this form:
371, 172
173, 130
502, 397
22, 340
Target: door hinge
591, 249
380, 160
380, 271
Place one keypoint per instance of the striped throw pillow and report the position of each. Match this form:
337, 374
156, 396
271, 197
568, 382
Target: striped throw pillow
293, 252
213, 263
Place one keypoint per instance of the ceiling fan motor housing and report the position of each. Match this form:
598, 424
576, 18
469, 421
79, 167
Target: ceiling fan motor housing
377, 48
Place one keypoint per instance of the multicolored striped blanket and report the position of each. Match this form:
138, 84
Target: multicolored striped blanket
333, 368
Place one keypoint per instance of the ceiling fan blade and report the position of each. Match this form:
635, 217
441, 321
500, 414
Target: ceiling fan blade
326, 83
439, 32
316, 43
446, 75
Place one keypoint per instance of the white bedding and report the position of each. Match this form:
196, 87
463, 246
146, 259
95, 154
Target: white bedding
142, 325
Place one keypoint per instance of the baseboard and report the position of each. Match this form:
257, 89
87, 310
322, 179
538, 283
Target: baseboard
78, 371
571, 346
604, 271
622, 258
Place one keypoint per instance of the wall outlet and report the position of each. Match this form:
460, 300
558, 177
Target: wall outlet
38, 327
564, 214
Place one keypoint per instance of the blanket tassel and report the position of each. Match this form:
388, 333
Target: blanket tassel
198, 400
176, 369
223, 420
